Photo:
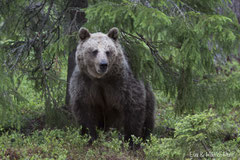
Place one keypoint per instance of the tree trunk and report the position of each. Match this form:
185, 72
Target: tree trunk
236, 8
77, 19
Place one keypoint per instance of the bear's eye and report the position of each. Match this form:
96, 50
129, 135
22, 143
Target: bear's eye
108, 53
95, 52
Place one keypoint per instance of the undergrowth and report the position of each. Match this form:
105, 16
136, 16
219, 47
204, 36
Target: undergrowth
202, 135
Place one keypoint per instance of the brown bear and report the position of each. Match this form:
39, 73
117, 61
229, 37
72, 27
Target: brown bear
104, 92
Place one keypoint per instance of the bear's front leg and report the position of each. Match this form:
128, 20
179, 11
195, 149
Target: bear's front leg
134, 109
85, 118
133, 123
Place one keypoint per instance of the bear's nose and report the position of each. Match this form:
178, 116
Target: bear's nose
103, 66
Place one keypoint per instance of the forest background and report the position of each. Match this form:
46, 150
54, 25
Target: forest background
187, 50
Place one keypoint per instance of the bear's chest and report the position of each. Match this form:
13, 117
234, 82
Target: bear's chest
105, 96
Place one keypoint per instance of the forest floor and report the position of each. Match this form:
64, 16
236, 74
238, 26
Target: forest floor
170, 140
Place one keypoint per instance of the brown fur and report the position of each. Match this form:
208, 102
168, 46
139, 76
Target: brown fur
111, 99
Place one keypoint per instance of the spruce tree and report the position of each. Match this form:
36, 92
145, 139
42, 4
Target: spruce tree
176, 45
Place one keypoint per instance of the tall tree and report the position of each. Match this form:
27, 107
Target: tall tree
176, 44
35, 37
78, 19
236, 8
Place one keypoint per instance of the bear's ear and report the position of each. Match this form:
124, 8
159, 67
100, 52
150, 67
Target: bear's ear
84, 33
113, 33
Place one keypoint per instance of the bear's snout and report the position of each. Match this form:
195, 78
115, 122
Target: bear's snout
103, 66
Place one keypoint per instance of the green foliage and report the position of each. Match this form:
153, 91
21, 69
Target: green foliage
9, 98
196, 135
207, 133
62, 144
175, 45
32, 49
53, 144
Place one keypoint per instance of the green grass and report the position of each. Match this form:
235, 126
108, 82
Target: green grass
64, 144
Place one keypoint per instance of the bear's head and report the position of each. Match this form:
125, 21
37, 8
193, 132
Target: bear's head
97, 52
